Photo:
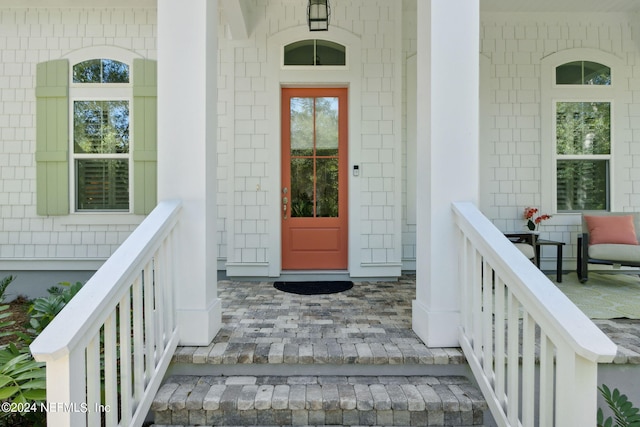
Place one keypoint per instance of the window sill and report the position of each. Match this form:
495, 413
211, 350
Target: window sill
101, 219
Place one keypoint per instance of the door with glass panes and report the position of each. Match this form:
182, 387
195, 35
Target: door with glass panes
314, 179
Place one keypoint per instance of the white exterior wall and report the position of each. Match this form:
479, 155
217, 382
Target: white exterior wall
248, 147
409, 48
249, 92
513, 141
511, 161
27, 37
382, 235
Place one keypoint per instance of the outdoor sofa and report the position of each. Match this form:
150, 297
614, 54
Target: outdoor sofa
609, 238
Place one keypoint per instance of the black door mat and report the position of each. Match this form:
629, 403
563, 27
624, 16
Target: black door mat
313, 288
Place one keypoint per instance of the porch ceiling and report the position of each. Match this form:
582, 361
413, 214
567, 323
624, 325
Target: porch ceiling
560, 6
486, 5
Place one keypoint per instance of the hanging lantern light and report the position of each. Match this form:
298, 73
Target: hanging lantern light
318, 13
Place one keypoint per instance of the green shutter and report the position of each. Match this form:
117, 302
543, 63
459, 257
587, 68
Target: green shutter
144, 136
52, 137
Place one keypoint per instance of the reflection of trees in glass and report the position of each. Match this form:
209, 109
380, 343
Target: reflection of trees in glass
326, 126
583, 130
301, 125
583, 127
101, 126
327, 188
309, 114
302, 188
314, 161
582, 185
101, 71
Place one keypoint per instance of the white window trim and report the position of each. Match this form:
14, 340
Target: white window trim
100, 52
552, 93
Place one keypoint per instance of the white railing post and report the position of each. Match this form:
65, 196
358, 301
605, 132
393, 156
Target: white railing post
123, 320
576, 396
66, 404
509, 301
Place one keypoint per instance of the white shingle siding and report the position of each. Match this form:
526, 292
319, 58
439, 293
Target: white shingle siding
515, 45
27, 37
249, 82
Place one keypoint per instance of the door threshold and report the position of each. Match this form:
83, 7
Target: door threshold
312, 275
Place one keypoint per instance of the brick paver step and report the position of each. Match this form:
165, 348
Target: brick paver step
402, 351
318, 400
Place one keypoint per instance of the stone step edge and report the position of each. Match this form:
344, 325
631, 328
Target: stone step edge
226, 353
309, 400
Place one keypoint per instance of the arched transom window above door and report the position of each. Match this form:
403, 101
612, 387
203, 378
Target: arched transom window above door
314, 52
583, 73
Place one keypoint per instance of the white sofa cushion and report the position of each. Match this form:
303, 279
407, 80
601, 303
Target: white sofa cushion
526, 249
612, 252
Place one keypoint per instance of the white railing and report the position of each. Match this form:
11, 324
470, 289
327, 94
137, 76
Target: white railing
534, 354
107, 351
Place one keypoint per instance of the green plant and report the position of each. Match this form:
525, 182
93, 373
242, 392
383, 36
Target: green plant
4, 313
44, 309
22, 379
4, 283
624, 413
22, 387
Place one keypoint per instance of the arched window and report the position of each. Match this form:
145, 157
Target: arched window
100, 135
315, 53
582, 137
101, 71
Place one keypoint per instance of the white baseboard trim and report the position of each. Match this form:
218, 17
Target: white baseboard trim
199, 327
409, 264
379, 270
247, 269
51, 264
435, 328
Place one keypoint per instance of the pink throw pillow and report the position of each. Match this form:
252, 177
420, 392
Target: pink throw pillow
614, 229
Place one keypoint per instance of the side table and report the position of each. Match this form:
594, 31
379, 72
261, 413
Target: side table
558, 245
534, 240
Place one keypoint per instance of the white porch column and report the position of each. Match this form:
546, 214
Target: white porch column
447, 153
187, 97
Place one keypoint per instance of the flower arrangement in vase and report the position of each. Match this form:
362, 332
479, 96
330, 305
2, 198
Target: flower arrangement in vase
534, 221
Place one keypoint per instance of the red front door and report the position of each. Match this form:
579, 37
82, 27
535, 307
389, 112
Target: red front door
314, 179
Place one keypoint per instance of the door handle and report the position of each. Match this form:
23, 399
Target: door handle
285, 201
